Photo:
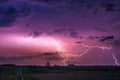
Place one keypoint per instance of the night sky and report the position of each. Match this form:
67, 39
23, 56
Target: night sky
81, 32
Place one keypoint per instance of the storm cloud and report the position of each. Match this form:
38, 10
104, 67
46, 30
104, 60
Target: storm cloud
43, 56
9, 13
35, 34
55, 25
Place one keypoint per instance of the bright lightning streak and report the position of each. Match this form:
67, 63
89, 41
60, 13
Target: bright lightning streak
89, 48
100, 47
79, 55
63, 52
66, 55
115, 59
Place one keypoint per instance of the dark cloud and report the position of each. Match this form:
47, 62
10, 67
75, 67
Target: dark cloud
42, 10
68, 32
48, 54
73, 5
79, 5
93, 37
16, 58
74, 34
90, 6
116, 43
49, 1
106, 38
8, 10
10, 13
7, 16
60, 30
6, 21
23, 9
102, 38
2, 1
35, 34
52, 56
45, 56
108, 6
102, 29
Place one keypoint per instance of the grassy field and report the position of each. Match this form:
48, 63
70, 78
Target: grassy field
74, 73
7, 72
80, 75
61, 73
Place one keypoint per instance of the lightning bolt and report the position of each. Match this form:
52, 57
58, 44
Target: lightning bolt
86, 51
115, 59
63, 52
79, 55
66, 55
89, 48
100, 47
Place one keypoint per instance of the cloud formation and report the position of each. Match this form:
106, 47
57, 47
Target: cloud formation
68, 32
106, 38
110, 6
116, 43
10, 13
2, 1
90, 22
55, 56
35, 34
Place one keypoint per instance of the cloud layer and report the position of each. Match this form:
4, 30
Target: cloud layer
49, 56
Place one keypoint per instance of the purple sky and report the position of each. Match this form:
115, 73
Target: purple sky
60, 31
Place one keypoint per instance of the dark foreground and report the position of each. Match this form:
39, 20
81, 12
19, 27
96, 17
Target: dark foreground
8, 72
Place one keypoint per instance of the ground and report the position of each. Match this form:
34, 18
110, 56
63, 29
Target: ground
61, 73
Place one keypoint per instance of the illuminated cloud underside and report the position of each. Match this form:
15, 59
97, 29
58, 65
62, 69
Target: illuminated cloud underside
81, 32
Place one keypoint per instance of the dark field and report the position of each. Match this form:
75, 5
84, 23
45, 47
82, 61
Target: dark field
8, 72
81, 75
